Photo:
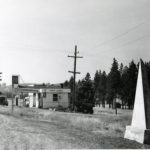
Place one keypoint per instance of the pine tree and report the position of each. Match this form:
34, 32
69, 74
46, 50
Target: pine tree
147, 65
96, 79
102, 88
124, 91
129, 79
132, 79
66, 84
121, 69
121, 82
87, 87
71, 83
113, 84
85, 98
71, 87
96, 85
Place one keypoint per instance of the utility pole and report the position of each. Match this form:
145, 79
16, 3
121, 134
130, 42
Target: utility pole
74, 74
0, 76
15, 82
12, 96
115, 107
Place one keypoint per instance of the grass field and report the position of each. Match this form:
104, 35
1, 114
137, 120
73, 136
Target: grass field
103, 129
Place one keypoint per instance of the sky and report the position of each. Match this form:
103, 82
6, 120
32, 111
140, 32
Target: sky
36, 36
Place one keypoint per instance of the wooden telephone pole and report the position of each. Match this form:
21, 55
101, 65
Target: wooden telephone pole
15, 82
74, 75
0, 76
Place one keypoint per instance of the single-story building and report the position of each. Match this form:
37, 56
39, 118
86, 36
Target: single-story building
43, 96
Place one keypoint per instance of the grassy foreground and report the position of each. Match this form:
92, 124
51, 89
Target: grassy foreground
104, 121
103, 129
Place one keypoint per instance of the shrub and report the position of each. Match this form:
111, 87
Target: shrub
84, 107
61, 108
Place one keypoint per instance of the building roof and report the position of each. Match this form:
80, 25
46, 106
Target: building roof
36, 87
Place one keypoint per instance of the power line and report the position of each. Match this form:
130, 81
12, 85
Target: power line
125, 44
114, 38
130, 42
122, 34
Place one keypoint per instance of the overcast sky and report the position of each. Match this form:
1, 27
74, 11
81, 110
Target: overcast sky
37, 35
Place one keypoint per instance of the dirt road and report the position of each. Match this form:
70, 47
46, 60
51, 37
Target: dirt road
18, 132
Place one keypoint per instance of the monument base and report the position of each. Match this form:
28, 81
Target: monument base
136, 134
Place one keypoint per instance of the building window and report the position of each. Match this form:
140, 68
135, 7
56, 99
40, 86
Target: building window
55, 97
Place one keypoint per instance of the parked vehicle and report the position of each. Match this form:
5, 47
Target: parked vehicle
3, 100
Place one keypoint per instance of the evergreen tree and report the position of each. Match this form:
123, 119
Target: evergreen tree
85, 101
121, 69
102, 88
147, 65
96, 85
66, 84
128, 80
119, 83
87, 88
71, 87
132, 79
124, 91
71, 83
113, 84
97, 79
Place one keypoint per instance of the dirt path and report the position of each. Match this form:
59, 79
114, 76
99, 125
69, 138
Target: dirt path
27, 133
17, 133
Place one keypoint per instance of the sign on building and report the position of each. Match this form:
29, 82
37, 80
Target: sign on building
15, 81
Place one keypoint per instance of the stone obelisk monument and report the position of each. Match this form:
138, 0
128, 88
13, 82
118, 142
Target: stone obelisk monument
140, 126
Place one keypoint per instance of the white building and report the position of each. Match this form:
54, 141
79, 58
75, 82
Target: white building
55, 97
44, 97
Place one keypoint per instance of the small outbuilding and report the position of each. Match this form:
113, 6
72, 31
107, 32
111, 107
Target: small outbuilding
53, 98
42, 96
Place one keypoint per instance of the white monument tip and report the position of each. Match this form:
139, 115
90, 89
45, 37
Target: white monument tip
138, 119
138, 130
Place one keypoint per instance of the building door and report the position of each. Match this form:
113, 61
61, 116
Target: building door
34, 100
40, 100
16, 101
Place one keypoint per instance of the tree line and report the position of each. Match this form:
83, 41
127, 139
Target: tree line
116, 88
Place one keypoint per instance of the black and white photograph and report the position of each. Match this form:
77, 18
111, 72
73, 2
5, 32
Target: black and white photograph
74, 74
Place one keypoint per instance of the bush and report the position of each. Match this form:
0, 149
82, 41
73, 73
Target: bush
118, 105
61, 108
84, 107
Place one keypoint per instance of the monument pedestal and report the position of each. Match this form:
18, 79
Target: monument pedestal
140, 125
137, 134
